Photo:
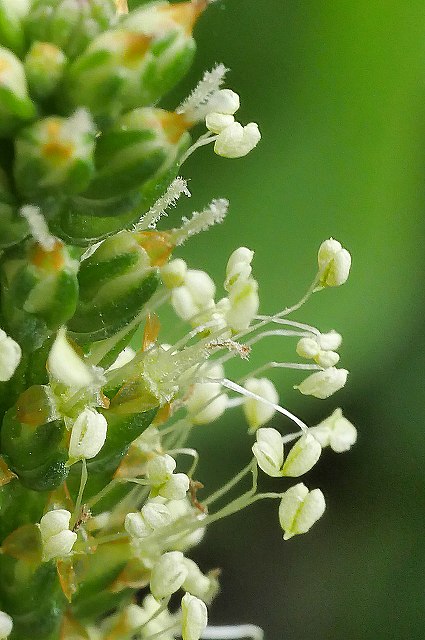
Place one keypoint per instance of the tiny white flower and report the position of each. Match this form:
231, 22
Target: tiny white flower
6, 625
327, 359
168, 575
334, 263
224, 101
88, 435
268, 451
217, 122
135, 525
323, 384
160, 469
330, 341
197, 583
194, 617
56, 537
299, 509
156, 515
302, 457
173, 273
175, 488
10, 356
336, 432
236, 141
308, 347
194, 296
243, 304
256, 412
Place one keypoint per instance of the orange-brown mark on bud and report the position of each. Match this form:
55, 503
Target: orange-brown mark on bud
185, 13
132, 465
67, 580
4, 66
6, 475
54, 149
173, 125
135, 47
60, 498
70, 628
133, 576
24, 544
51, 261
33, 407
122, 7
163, 414
157, 245
151, 332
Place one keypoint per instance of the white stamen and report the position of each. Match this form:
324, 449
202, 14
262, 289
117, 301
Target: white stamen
233, 386
236, 632
169, 199
213, 214
38, 227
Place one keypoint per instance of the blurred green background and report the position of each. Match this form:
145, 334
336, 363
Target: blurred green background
338, 90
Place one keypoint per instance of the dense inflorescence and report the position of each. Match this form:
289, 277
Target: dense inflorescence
99, 499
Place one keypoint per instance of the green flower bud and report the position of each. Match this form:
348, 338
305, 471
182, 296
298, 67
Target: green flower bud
44, 65
55, 155
32, 440
40, 293
15, 104
132, 152
137, 63
13, 228
69, 24
116, 281
12, 13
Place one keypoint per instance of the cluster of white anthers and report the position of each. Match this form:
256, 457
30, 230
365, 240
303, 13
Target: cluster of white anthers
217, 107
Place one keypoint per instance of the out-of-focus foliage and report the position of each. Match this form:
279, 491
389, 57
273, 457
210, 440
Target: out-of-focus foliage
338, 89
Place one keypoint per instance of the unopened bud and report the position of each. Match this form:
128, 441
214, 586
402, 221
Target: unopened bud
199, 585
88, 435
323, 384
15, 104
168, 575
10, 356
327, 359
194, 617
44, 66
206, 403
65, 366
224, 101
55, 155
330, 341
302, 457
136, 526
300, 509
6, 625
268, 451
257, 412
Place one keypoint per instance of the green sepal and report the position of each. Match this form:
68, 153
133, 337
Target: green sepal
11, 31
31, 507
32, 596
33, 441
13, 228
116, 281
